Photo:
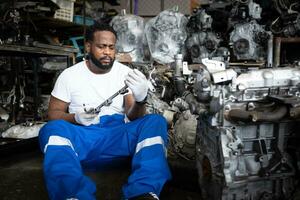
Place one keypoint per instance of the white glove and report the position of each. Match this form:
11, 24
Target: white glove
86, 119
138, 84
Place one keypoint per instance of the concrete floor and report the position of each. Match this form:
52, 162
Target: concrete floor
21, 178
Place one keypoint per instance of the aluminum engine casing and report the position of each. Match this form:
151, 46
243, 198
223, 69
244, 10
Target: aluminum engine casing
130, 30
249, 41
242, 150
165, 35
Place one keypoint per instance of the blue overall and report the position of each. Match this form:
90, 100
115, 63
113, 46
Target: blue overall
69, 147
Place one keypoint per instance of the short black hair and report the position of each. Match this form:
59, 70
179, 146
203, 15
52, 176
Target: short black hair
89, 34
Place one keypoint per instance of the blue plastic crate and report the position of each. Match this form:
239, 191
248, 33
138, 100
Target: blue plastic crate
78, 19
77, 42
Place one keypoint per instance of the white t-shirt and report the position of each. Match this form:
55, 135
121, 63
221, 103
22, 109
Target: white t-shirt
77, 85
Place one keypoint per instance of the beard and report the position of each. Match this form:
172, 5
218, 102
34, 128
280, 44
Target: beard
97, 62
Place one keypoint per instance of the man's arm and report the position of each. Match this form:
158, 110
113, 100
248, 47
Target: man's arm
133, 110
58, 109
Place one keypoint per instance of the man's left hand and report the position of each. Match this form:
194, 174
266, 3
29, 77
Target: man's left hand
137, 82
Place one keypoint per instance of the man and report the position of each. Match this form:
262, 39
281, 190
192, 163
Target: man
74, 139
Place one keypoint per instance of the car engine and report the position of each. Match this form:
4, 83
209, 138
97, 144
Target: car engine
130, 29
230, 108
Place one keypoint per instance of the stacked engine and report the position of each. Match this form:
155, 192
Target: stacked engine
231, 109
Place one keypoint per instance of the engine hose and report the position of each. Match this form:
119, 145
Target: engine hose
194, 105
257, 116
179, 85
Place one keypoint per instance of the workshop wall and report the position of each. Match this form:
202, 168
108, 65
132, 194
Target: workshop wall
149, 9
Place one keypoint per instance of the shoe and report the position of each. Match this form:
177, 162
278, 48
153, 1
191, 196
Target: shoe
147, 196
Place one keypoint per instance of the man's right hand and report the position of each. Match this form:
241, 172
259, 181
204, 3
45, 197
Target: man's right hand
86, 119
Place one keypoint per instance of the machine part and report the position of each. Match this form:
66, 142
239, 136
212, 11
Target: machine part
223, 76
10, 30
287, 24
130, 30
209, 165
229, 167
205, 44
295, 112
180, 104
249, 41
54, 65
247, 64
107, 102
4, 115
55, 47
185, 134
202, 85
166, 35
267, 77
275, 115
267, 115
213, 65
47, 7
156, 105
178, 65
270, 52
242, 149
254, 10
185, 69
151, 86
169, 116
179, 82
205, 19
11, 97
199, 21
43, 107
23, 131
194, 106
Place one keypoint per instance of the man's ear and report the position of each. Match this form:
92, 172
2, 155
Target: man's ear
88, 47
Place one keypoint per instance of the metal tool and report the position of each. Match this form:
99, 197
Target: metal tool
107, 102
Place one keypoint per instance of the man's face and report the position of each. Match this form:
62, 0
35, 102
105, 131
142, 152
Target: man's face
102, 49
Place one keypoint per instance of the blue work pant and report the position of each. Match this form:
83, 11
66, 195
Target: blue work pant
69, 147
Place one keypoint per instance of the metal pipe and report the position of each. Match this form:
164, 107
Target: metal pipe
277, 52
247, 64
162, 5
278, 113
270, 51
238, 115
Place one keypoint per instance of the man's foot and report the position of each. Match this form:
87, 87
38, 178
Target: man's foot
147, 196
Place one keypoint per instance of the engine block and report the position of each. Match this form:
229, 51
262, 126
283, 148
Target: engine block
243, 149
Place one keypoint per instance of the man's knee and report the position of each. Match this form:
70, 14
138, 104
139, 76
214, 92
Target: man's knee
55, 127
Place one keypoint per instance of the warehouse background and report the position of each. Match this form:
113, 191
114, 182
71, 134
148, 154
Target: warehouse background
40, 38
